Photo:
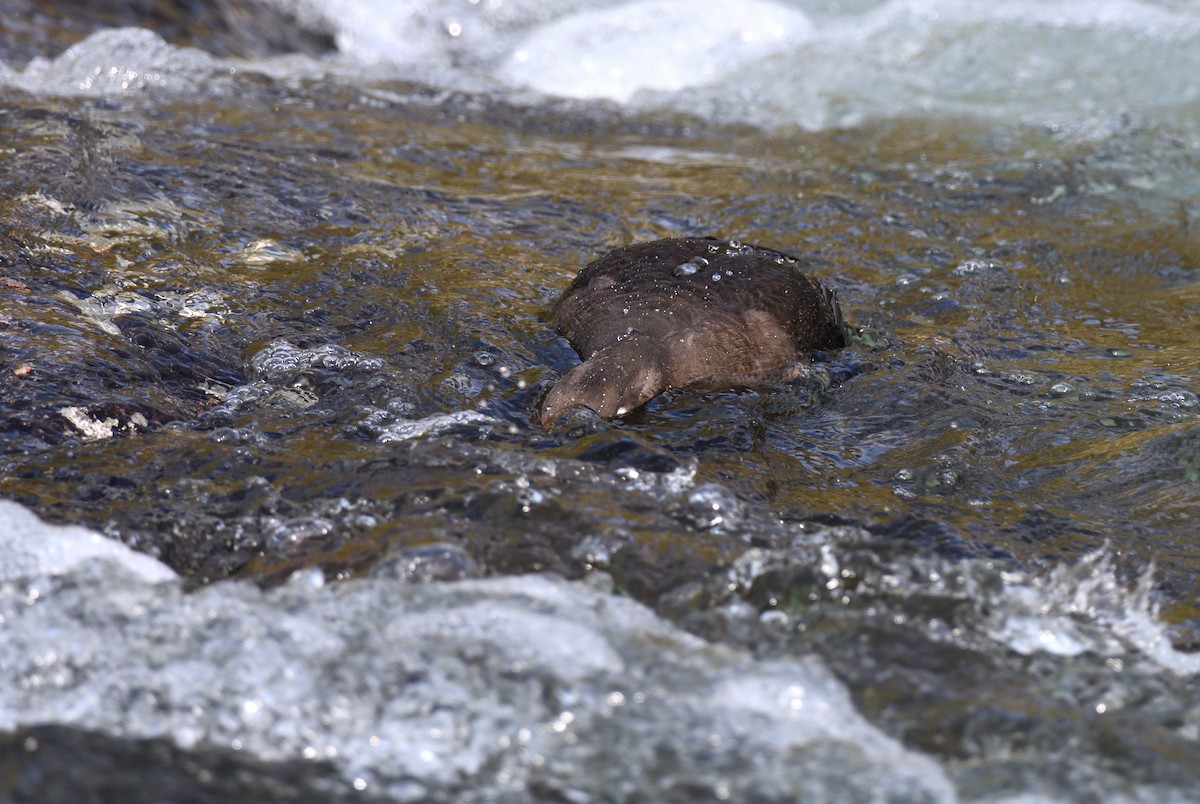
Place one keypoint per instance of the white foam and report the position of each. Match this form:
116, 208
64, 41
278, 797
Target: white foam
116, 62
421, 692
1067, 63
1084, 607
770, 63
30, 548
663, 45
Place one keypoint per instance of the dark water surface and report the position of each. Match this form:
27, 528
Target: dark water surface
282, 325
1020, 382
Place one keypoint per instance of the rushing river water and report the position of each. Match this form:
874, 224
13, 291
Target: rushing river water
278, 521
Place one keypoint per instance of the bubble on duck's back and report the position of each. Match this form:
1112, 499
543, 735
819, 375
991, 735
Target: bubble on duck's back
691, 266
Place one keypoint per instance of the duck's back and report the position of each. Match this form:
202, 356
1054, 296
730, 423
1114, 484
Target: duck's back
687, 311
716, 291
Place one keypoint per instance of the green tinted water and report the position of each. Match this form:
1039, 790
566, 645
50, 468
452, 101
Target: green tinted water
1023, 378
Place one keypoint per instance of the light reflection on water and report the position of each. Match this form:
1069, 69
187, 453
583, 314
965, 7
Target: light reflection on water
421, 243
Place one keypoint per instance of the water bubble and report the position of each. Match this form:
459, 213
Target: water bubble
485, 358
1180, 399
435, 424
972, 267
275, 359
456, 382
399, 406
334, 358
1061, 389
948, 477
528, 498
369, 365
716, 277
308, 579
775, 619
294, 398
691, 266
280, 358
296, 531
428, 562
750, 566
230, 435
599, 550
1057, 192
267, 251
712, 505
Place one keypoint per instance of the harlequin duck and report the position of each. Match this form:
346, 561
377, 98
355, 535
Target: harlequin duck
684, 312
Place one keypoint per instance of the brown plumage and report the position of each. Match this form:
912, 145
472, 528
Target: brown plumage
687, 311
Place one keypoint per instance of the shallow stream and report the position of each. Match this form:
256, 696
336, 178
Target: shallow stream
273, 297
